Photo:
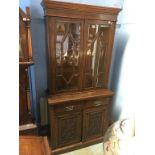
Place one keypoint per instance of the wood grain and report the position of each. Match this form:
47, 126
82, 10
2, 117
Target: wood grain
67, 97
80, 7
33, 145
25, 60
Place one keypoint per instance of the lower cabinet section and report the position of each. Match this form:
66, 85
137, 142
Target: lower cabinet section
78, 122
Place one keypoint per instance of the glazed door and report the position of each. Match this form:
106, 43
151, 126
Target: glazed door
97, 51
66, 54
95, 123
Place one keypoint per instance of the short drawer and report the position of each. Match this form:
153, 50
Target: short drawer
97, 102
68, 107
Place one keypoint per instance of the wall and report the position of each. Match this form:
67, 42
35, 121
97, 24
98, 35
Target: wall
136, 77
132, 75
123, 70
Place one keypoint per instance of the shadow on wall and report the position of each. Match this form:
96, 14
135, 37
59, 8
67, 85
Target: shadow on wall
40, 60
121, 40
119, 49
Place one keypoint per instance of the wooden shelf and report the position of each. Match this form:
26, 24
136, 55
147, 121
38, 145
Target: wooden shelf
27, 126
26, 63
61, 98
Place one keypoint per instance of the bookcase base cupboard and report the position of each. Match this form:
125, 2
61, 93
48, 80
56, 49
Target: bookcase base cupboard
79, 44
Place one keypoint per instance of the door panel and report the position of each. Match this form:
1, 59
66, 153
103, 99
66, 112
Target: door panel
68, 52
96, 50
69, 129
95, 123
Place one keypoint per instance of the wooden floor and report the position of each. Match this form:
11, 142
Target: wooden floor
33, 145
91, 150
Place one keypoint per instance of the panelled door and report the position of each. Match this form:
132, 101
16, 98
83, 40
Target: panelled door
94, 123
69, 129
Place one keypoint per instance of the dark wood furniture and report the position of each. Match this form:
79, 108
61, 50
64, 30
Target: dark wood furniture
25, 60
33, 145
79, 42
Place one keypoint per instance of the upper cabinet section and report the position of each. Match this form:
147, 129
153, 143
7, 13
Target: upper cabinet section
79, 40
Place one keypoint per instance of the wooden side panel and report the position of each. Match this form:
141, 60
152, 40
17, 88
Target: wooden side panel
24, 96
25, 59
53, 128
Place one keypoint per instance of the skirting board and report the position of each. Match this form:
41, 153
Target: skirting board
76, 146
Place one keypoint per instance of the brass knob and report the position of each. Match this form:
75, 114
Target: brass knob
109, 22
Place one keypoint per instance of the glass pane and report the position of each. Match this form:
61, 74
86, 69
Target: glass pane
67, 55
95, 55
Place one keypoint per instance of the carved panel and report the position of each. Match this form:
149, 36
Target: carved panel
94, 124
94, 121
69, 129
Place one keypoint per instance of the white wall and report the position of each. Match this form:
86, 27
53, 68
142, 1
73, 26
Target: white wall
133, 68
123, 68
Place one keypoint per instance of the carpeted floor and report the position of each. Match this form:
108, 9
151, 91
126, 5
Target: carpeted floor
91, 150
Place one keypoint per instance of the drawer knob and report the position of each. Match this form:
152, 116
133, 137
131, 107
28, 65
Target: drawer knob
97, 104
69, 108
109, 22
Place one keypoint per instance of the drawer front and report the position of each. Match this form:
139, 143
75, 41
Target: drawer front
99, 102
68, 108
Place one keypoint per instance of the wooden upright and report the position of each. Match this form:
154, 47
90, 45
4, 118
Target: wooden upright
25, 60
79, 42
